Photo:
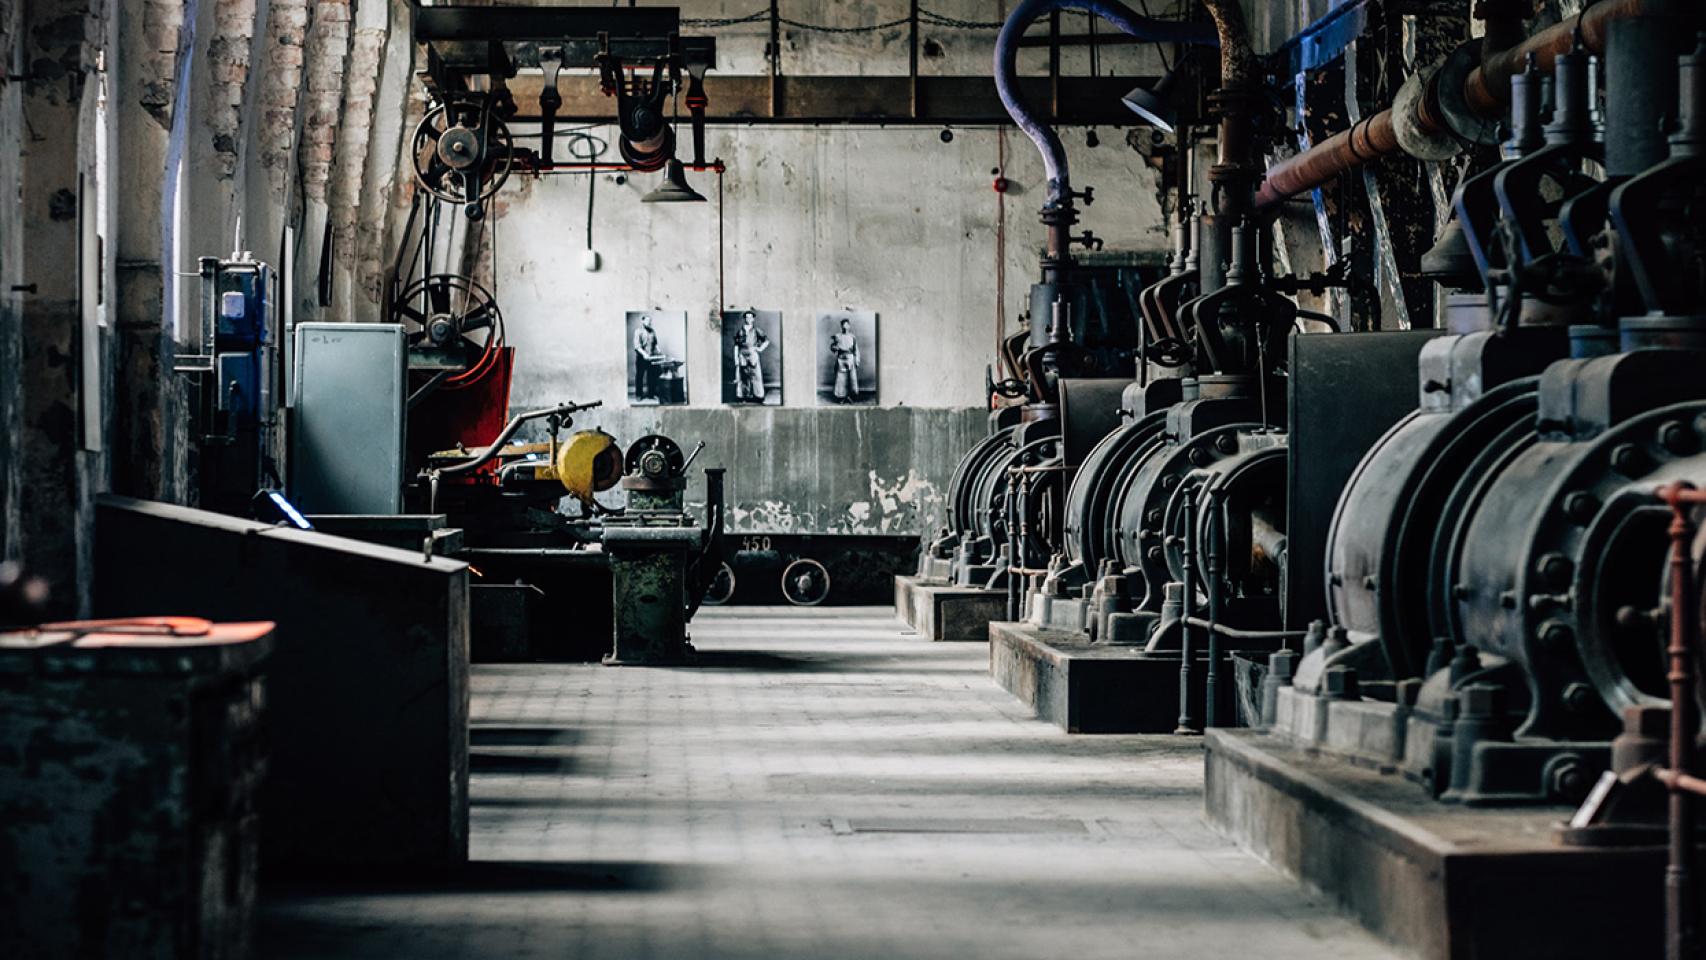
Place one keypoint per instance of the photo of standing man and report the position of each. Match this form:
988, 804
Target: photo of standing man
847, 358
752, 357
844, 348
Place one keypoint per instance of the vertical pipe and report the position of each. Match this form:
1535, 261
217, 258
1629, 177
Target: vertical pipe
1213, 577
1014, 591
775, 56
912, 55
1187, 603
1680, 904
1054, 64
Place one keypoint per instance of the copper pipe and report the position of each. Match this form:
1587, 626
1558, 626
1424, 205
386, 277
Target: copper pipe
1680, 903
1346, 150
1487, 91
1680, 781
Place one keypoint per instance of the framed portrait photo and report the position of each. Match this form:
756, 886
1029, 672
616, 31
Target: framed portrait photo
847, 358
752, 357
657, 357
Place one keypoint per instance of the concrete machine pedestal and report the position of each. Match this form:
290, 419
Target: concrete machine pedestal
939, 610
1085, 687
1445, 881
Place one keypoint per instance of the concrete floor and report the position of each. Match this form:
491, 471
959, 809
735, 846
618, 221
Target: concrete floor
825, 785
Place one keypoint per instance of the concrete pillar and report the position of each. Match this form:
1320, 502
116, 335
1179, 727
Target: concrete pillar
362, 79
11, 277
146, 426
325, 55
387, 184
54, 502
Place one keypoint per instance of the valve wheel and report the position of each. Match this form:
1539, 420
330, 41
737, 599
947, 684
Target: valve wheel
722, 588
805, 583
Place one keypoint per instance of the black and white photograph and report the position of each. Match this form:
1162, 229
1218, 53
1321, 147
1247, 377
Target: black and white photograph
847, 357
657, 357
752, 357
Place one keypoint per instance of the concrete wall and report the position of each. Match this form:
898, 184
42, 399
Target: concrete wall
289, 118
813, 219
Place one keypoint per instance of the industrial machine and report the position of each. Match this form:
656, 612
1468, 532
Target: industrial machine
401, 432
237, 373
1498, 550
1460, 557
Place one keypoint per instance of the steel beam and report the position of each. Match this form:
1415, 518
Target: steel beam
453, 23
855, 100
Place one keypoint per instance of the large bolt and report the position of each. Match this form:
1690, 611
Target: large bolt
1154, 554
1408, 691
1340, 683
1627, 459
1226, 443
1652, 722
1578, 697
1568, 780
1581, 506
1555, 569
1480, 700
1198, 456
1169, 482
1153, 517
1556, 635
1677, 438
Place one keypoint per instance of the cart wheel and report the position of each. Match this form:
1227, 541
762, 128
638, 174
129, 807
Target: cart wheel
722, 588
805, 583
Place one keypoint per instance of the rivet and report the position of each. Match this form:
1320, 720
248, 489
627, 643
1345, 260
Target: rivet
1677, 438
1581, 506
1555, 569
1578, 697
1556, 635
1626, 459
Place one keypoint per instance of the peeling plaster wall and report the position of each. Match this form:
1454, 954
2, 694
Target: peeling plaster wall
871, 470
886, 219
891, 220
11, 275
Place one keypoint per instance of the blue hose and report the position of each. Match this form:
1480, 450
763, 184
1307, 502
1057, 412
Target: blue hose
1007, 68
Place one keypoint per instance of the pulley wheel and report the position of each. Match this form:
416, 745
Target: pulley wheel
805, 582
462, 153
452, 314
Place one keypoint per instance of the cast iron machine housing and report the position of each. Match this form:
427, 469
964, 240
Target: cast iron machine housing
662, 560
1496, 566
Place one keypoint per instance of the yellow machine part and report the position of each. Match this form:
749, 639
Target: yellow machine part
589, 462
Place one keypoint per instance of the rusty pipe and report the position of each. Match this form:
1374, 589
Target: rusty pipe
1486, 91
1346, 150
1680, 903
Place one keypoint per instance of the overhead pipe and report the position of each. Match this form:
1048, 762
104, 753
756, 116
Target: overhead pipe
1486, 92
1057, 211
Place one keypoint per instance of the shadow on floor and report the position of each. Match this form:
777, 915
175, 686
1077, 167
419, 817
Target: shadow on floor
760, 661
496, 735
518, 763
493, 876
